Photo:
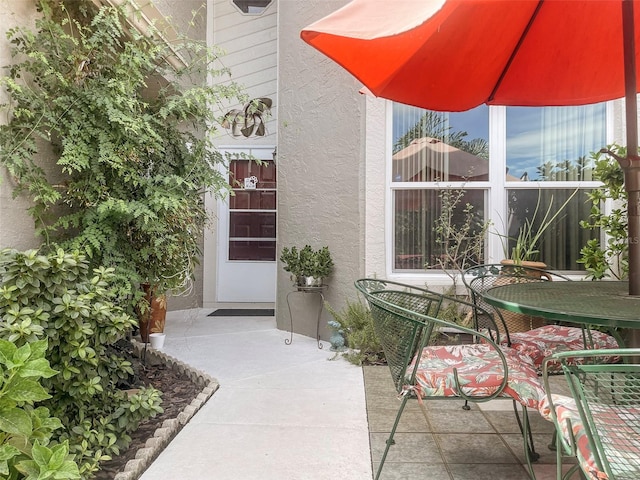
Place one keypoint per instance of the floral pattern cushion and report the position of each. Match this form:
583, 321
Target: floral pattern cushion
620, 438
480, 373
544, 341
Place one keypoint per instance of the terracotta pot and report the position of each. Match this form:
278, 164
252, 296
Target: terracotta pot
153, 320
519, 322
529, 264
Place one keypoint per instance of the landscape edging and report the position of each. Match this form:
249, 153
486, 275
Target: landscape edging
163, 435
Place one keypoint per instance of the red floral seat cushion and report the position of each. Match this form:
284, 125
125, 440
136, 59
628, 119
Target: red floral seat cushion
480, 373
621, 437
544, 341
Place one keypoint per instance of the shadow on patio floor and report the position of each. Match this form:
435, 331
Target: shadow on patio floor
483, 443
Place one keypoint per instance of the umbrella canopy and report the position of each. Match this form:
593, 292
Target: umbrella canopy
453, 55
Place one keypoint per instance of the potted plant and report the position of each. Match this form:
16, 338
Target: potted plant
307, 266
524, 248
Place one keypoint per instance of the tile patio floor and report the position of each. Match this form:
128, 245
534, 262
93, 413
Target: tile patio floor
483, 443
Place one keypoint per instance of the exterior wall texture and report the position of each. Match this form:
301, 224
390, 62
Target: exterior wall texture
320, 164
16, 226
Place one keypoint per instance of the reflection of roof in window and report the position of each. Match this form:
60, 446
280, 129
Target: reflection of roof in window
428, 159
252, 7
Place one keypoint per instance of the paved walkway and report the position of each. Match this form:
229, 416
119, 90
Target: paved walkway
294, 412
283, 412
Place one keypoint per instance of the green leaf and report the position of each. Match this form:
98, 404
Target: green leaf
37, 368
7, 452
25, 390
41, 454
39, 348
68, 470
15, 421
4, 468
22, 354
29, 468
7, 351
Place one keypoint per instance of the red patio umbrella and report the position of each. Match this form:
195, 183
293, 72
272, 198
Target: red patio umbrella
453, 55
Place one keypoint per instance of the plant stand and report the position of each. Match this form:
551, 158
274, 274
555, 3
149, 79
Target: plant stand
318, 290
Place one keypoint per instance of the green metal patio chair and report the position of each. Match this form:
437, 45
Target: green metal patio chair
431, 357
600, 424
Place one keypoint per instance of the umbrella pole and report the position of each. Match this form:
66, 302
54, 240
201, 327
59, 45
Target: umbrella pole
631, 164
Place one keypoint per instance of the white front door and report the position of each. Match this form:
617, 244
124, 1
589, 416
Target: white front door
247, 229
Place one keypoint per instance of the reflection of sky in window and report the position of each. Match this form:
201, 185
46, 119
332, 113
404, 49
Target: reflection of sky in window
534, 135
552, 134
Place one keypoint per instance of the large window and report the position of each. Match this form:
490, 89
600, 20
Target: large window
494, 164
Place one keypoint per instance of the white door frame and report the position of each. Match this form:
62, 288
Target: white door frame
228, 281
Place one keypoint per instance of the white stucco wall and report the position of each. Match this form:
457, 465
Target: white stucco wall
321, 163
16, 226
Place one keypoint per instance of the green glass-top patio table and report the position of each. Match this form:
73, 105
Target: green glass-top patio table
604, 303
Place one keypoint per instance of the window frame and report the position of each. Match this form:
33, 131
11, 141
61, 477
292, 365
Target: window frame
495, 193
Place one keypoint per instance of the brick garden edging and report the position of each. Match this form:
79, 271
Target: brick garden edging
163, 435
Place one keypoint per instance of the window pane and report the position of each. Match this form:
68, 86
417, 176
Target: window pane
436, 146
252, 250
560, 244
241, 169
253, 199
554, 143
422, 239
252, 225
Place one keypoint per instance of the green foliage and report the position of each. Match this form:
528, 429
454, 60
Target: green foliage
129, 136
57, 297
527, 242
356, 324
307, 262
609, 259
25, 431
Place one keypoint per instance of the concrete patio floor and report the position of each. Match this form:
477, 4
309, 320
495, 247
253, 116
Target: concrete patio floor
296, 412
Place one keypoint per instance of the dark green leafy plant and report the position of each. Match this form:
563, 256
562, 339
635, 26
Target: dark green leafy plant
128, 136
26, 430
307, 262
59, 298
609, 259
356, 324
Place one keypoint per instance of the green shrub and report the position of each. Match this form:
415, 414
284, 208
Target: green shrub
356, 323
129, 136
609, 259
25, 431
56, 296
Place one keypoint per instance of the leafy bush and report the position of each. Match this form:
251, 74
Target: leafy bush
130, 136
25, 431
608, 259
356, 324
56, 296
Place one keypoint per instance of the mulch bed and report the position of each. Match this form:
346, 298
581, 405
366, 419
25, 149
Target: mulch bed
178, 391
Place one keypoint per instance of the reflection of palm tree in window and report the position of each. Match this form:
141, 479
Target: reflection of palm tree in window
435, 125
567, 170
